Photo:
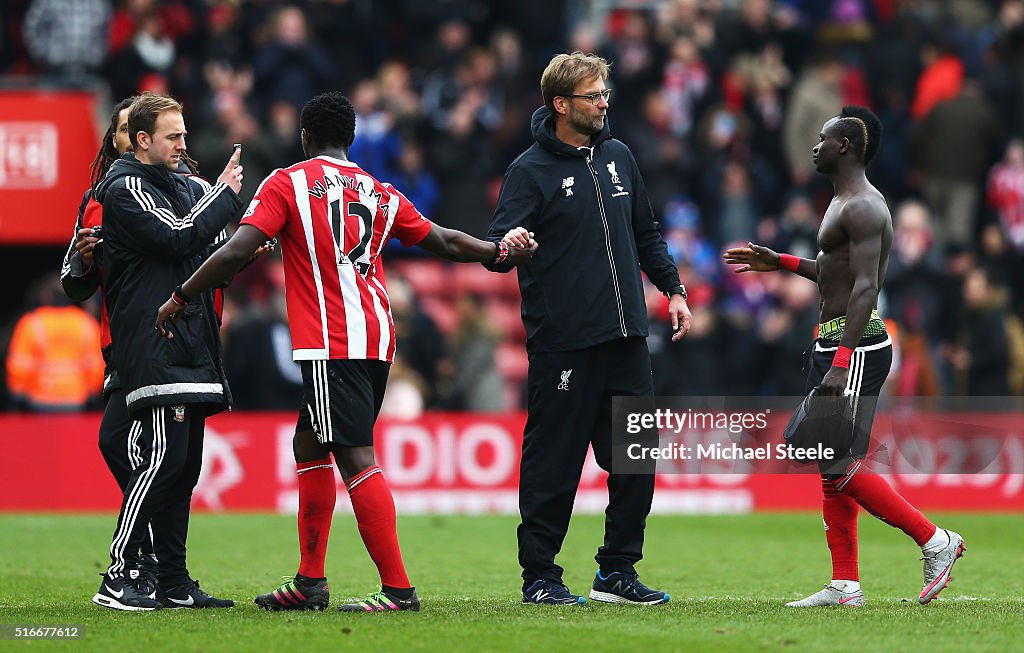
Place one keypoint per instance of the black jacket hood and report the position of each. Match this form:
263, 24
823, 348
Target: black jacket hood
542, 124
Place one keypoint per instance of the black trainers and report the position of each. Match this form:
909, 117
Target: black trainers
124, 594
548, 592
190, 595
294, 594
149, 567
144, 577
620, 587
383, 601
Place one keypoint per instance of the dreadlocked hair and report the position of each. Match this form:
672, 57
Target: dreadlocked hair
190, 163
108, 154
863, 129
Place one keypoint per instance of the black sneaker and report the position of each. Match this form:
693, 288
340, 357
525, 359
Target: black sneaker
383, 601
149, 567
124, 594
548, 592
144, 578
620, 587
190, 595
296, 595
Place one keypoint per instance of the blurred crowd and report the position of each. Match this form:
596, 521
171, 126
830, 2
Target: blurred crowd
721, 102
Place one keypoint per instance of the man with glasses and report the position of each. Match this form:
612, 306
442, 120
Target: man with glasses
580, 193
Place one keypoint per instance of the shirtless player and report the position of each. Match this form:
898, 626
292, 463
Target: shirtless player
853, 354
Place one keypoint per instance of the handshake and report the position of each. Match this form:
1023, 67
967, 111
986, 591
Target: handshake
515, 248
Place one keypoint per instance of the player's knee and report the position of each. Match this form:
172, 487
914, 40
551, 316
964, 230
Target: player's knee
352, 460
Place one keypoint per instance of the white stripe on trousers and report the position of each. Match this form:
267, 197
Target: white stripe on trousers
134, 455
135, 459
133, 502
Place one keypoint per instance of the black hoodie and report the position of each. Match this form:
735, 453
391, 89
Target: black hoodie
589, 211
157, 229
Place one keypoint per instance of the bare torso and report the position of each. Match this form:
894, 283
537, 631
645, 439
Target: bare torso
835, 275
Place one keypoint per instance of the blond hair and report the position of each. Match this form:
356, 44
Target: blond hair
144, 111
566, 71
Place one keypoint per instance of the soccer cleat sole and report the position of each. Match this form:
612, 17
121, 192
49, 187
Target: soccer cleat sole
355, 607
848, 604
277, 607
606, 597
108, 602
942, 582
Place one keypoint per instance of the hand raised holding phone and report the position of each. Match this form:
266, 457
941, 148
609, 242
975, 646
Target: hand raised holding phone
232, 175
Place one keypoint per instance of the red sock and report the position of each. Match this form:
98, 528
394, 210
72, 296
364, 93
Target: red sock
375, 513
875, 495
840, 514
317, 495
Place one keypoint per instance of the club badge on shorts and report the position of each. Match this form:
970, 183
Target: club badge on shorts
179, 413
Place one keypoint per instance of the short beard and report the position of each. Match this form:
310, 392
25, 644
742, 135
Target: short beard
589, 128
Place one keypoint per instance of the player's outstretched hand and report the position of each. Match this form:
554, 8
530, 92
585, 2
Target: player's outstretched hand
519, 237
519, 255
169, 310
232, 175
262, 249
85, 242
752, 258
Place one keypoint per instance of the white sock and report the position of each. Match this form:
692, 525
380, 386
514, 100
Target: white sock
847, 586
938, 541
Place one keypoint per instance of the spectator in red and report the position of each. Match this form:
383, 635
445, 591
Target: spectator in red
1006, 192
176, 19
941, 80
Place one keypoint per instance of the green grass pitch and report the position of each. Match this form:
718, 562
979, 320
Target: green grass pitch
728, 576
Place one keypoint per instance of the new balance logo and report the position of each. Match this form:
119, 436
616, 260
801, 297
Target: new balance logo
564, 385
540, 595
567, 184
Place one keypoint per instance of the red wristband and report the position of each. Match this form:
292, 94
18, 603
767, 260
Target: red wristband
789, 262
842, 358
502, 252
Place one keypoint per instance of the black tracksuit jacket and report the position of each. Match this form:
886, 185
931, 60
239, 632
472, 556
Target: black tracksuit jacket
157, 228
590, 214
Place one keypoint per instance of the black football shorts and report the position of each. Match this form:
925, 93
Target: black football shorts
869, 367
341, 400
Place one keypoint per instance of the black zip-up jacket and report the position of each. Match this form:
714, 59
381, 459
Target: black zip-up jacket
157, 228
81, 283
589, 211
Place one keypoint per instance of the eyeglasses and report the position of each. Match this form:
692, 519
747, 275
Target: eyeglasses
596, 97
